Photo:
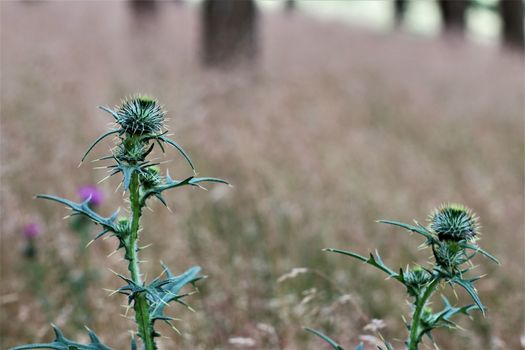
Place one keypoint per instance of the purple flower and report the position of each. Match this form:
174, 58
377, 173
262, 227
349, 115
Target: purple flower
31, 230
92, 193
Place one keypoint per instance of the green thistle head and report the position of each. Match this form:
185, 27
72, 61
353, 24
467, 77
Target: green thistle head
140, 115
415, 279
454, 222
132, 150
151, 177
123, 226
449, 255
427, 317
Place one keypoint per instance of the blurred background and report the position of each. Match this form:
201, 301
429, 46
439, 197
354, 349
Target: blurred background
324, 115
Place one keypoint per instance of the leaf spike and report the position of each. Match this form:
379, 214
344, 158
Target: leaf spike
180, 149
113, 272
100, 138
145, 246
104, 179
174, 328
110, 111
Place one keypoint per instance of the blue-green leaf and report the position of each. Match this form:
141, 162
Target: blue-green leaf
417, 229
467, 285
326, 338
449, 311
83, 208
179, 148
163, 291
375, 261
477, 249
170, 183
62, 343
100, 138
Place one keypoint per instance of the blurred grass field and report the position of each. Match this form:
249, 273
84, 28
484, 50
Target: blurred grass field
336, 127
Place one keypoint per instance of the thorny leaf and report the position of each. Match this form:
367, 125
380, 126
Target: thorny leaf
417, 229
62, 343
375, 261
468, 286
179, 148
163, 291
160, 292
100, 138
328, 339
170, 183
443, 317
82, 208
477, 249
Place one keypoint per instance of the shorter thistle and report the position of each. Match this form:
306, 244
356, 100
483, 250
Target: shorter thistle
451, 235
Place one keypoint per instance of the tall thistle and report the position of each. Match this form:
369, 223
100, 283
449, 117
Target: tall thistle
139, 126
451, 235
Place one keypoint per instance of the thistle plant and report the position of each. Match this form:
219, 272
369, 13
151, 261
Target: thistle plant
451, 234
80, 279
32, 268
30, 231
139, 126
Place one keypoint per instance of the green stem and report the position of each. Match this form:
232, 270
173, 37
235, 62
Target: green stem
141, 307
421, 301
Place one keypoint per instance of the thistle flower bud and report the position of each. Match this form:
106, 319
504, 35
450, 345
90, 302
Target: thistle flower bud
140, 115
131, 151
427, 317
454, 222
123, 226
31, 230
415, 279
449, 255
151, 177
91, 192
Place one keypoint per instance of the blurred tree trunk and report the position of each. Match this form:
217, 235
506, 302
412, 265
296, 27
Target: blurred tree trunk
290, 6
143, 7
229, 32
400, 9
512, 17
453, 14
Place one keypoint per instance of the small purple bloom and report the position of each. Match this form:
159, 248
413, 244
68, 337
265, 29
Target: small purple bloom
92, 193
31, 230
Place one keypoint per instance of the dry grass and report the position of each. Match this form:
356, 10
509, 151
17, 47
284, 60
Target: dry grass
334, 129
